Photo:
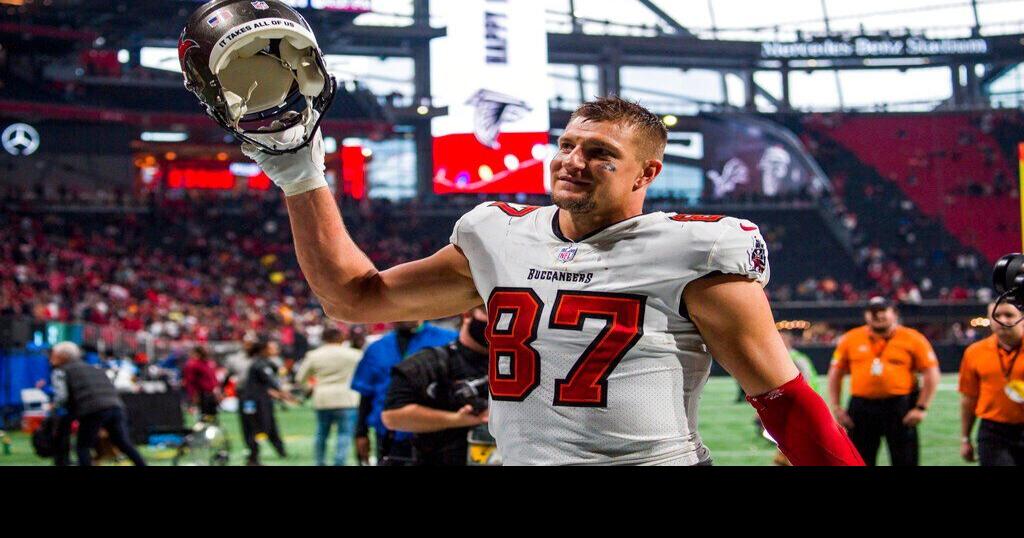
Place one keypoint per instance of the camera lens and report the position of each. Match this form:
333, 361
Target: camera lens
1007, 271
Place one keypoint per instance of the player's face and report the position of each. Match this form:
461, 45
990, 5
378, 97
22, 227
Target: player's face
881, 320
1006, 314
596, 167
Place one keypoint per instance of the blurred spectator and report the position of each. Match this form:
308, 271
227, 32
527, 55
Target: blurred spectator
440, 395
199, 380
91, 398
331, 367
256, 401
372, 378
238, 363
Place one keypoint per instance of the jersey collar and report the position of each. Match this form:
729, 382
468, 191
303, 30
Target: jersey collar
556, 228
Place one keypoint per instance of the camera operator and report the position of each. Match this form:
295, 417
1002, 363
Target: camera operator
440, 395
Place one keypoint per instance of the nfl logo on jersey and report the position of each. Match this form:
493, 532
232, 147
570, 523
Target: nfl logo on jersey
567, 254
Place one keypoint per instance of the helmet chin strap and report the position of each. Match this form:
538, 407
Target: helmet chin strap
243, 106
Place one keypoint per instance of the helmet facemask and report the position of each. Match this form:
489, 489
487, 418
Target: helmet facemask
259, 78
269, 86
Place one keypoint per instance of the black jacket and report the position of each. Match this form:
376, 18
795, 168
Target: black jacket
260, 378
430, 378
88, 389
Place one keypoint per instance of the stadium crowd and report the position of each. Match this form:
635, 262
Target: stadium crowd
212, 266
187, 271
904, 253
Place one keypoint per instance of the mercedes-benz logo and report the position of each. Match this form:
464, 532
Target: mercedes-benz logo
20, 139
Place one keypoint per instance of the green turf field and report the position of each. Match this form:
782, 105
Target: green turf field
727, 427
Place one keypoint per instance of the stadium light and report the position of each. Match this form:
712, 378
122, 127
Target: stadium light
158, 136
244, 169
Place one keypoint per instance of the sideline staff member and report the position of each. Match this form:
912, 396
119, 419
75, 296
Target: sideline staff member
882, 358
992, 389
257, 402
87, 393
428, 395
371, 380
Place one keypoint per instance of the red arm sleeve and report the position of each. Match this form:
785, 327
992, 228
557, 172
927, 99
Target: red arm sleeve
798, 419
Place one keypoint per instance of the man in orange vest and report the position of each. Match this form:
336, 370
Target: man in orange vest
883, 358
992, 389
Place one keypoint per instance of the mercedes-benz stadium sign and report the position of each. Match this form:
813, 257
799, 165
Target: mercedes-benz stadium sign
873, 47
20, 139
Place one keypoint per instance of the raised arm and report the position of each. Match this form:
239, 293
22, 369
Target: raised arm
733, 316
351, 289
345, 281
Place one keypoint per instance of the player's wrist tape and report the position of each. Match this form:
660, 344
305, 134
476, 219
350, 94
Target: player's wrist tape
300, 187
294, 173
798, 419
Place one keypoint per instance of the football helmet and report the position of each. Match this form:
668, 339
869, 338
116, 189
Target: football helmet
257, 70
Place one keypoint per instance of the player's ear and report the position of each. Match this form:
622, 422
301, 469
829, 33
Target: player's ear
651, 169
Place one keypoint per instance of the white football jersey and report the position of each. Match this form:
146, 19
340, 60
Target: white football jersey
593, 358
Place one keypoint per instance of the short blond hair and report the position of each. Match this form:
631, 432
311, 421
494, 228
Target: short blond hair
652, 135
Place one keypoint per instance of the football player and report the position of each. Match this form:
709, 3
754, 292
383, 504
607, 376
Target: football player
603, 319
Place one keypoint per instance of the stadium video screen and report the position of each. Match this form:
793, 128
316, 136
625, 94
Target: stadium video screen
749, 156
494, 138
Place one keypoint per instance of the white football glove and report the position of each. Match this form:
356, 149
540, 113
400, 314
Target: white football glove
295, 173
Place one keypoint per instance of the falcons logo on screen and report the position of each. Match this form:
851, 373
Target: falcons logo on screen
492, 110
